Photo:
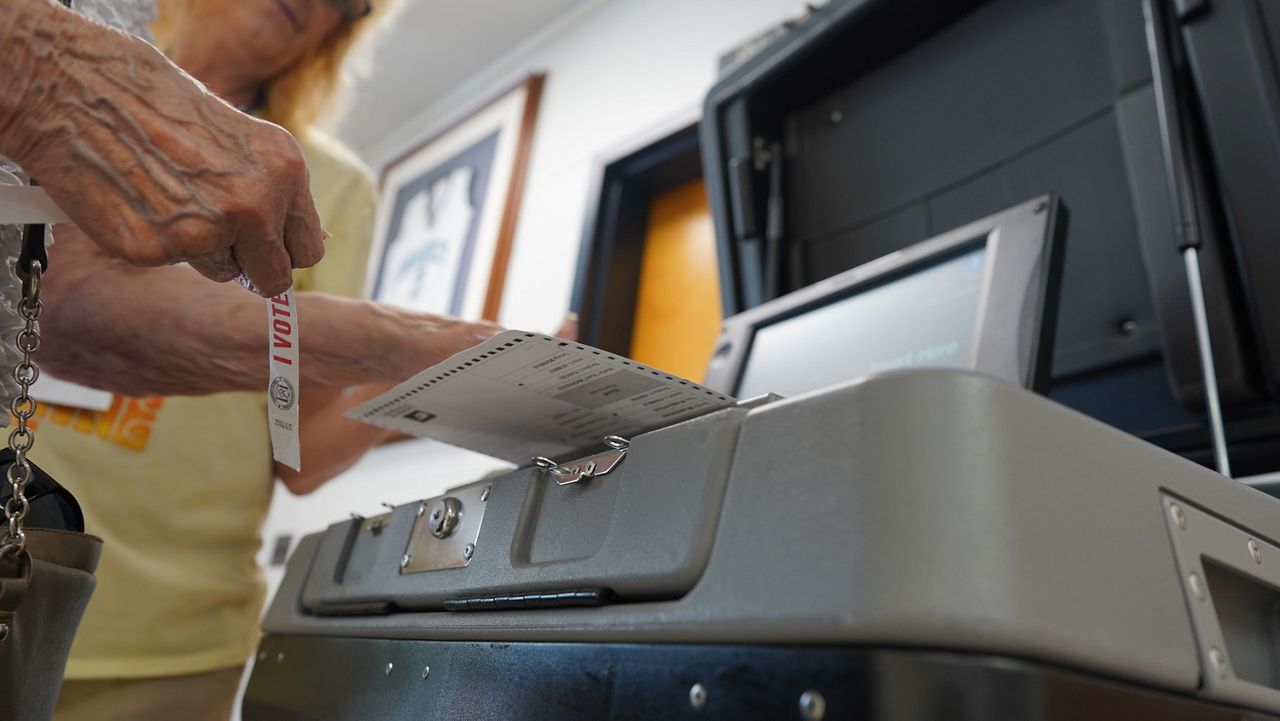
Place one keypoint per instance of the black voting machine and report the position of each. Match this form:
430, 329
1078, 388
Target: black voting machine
874, 124
922, 544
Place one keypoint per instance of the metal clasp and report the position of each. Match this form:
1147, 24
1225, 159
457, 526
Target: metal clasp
601, 464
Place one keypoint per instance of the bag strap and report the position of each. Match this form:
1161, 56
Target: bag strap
33, 248
15, 559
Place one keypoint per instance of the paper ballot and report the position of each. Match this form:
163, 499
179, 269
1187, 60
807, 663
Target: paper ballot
520, 395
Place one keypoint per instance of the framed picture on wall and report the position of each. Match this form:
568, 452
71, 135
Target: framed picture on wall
449, 208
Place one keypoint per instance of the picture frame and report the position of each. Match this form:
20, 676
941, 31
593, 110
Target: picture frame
449, 207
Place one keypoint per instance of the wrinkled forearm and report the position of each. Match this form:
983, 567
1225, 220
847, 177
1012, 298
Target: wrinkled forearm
143, 158
140, 333
166, 331
331, 443
73, 92
28, 29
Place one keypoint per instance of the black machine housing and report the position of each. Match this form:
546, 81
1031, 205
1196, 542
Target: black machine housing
874, 124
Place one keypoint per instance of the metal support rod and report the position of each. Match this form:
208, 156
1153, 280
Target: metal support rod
1201, 315
1182, 169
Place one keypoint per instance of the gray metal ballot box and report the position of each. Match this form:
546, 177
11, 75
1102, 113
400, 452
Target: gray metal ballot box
922, 544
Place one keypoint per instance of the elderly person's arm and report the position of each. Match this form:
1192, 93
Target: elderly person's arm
139, 332
153, 167
330, 442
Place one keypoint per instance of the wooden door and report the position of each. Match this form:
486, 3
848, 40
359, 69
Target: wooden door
678, 304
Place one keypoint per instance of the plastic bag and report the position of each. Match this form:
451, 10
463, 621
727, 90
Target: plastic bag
131, 16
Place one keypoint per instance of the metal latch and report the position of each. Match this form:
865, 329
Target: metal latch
446, 529
601, 464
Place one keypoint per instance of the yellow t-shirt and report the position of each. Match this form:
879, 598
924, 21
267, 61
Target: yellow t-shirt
178, 487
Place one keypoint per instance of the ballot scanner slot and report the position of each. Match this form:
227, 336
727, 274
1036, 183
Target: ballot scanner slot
1231, 581
640, 532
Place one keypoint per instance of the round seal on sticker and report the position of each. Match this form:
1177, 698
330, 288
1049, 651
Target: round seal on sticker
282, 393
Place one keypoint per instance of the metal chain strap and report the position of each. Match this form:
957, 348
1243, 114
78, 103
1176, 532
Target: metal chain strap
30, 265
23, 406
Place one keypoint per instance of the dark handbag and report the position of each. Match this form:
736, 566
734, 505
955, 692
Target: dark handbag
46, 574
52, 507
49, 591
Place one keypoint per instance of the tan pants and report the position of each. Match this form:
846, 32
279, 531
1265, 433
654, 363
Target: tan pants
199, 697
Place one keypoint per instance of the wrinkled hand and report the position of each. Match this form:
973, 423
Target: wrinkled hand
151, 166
435, 338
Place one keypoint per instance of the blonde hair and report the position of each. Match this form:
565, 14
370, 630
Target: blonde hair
297, 97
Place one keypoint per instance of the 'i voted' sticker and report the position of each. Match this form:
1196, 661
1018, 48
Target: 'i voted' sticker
282, 390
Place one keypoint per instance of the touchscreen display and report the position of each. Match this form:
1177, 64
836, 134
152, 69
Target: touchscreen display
926, 317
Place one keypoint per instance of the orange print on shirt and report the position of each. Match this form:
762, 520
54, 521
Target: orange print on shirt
127, 423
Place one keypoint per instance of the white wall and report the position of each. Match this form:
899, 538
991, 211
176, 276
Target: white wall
615, 69
620, 70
